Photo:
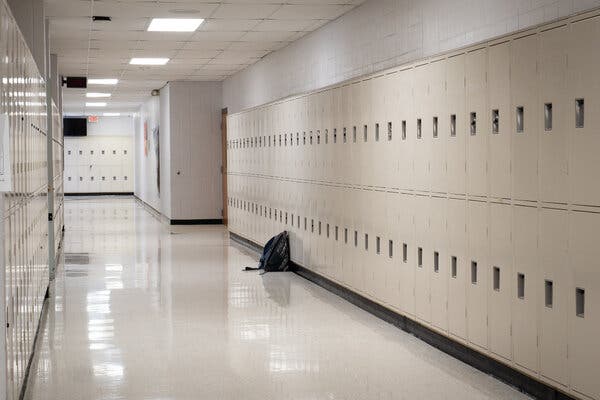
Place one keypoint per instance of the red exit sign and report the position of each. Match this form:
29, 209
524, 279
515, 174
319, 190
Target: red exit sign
92, 119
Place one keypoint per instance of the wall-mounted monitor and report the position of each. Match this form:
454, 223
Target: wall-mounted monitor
75, 126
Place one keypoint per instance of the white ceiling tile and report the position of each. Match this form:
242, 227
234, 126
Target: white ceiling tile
266, 36
284, 25
242, 11
236, 33
231, 25
309, 11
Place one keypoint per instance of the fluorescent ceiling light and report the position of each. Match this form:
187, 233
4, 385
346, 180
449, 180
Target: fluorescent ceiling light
97, 95
109, 81
111, 114
100, 104
174, 24
149, 61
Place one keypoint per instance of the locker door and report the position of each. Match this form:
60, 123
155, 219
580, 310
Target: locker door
423, 264
453, 126
393, 257
500, 285
584, 323
421, 129
500, 137
457, 274
526, 115
405, 177
527, 283
477, 273
553, 163
584, 83
406, 232
437, 118
554, 307
439, 274
477, 129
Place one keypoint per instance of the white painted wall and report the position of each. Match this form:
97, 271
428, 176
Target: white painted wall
112, 126
380, 34
146, 164
195, 116
189, 115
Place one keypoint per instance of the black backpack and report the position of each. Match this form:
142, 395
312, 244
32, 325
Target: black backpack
276, 254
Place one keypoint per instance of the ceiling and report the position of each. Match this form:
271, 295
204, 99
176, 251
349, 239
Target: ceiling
234, 35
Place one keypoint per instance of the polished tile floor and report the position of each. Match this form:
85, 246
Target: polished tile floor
147, 311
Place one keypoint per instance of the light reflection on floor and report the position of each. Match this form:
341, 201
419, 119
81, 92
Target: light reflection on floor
147, 311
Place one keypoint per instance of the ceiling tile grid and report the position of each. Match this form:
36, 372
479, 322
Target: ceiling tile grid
234, 35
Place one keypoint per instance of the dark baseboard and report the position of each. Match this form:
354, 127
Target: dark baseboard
482, 362
101, 194
196, 222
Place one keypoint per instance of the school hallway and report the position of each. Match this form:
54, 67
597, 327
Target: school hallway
143, 310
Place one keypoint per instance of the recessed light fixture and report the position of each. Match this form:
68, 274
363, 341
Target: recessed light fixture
174, 24
149, 61
97, 95
102, 81
96, 104
111, 114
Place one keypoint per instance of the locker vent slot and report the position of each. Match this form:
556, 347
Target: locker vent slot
391, 248
420, 257
367, 241
495, 122
435, 127
419, 128
520, 119
336, 232
453, 125
496, 279
473, 123
454, 266
404, 130
355, 238
305, 224
319, 228
389, 131
579, 113
404, 252
327, 230
310, 139
318, 137
474, 272
580, 302
436, 261
378, 244
376, 132
548, 117
334, 135
346, 235
521, 286
312, 226
326, 136
365, 133
548, 293
354, 134
298, 220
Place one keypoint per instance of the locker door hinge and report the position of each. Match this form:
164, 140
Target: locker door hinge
50, 217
